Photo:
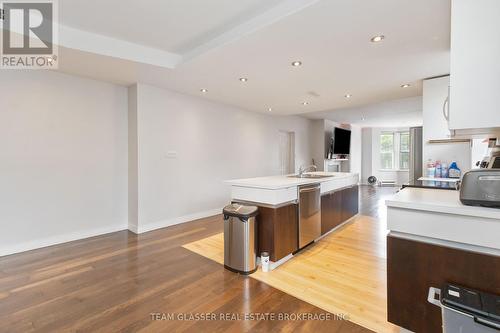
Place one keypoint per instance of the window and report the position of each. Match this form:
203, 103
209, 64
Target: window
387, 150
394, 150
404, 150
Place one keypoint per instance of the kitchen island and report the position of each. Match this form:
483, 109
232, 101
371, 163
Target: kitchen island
279, 207
434, 239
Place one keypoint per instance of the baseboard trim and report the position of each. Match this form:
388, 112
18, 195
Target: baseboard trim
59, 239
176, 220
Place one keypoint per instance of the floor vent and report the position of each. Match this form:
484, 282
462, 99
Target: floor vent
388, 183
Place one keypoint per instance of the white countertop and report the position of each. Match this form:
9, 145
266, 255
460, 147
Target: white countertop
438, 217
277, 190
449, 180
279, 182
440, 201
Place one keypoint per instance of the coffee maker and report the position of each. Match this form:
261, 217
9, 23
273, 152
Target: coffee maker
492, 160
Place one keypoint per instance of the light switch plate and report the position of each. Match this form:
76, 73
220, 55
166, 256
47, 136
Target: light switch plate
171, 154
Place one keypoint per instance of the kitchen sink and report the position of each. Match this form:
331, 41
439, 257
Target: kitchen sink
311, 176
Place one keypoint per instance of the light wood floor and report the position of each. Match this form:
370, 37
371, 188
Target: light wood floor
345, 272
111, 283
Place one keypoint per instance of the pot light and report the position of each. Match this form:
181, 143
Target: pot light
297, 63
243, 79
406, 85
376, 39
305, 103
347, 95
269, 109
203, 90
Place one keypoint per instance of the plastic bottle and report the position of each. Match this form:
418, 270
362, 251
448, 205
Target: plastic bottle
454, 171
444, 170
438, 174
264, 259
431, 169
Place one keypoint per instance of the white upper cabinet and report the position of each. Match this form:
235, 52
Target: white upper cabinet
475, 65
434, 105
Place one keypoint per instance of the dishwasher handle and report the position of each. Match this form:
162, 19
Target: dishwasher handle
309, 189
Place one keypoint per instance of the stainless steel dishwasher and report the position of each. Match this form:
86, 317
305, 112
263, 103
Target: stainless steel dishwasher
309, 213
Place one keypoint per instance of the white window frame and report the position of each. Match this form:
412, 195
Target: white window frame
396, 153
393, 150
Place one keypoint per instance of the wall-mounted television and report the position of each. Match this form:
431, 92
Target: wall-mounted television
341, 141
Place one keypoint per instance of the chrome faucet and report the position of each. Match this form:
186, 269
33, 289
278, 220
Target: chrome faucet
307, 169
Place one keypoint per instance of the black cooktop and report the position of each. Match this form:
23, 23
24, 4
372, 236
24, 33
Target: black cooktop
433, 184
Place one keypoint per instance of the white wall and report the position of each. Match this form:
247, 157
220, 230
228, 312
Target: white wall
366, 159
80, 158
206, 143
133, 185
371, 157
63, 159
317, 142
355, 162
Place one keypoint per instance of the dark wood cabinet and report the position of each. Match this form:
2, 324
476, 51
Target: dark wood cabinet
413, 267
350, 202
331, 209
278, 228
337, 207
278, 231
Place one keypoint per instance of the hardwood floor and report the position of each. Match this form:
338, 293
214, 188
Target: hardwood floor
343, 273
114, 282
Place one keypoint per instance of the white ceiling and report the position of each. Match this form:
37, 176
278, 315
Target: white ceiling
170, 25
186, 45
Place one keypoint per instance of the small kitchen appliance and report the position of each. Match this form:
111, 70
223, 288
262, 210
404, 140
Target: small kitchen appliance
481, 187
491, 161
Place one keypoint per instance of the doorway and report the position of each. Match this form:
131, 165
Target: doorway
287, 152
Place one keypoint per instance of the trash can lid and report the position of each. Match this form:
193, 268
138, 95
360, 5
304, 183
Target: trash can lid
239, 210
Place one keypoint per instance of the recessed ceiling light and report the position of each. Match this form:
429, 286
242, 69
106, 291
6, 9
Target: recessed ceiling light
296, 63
305, 103
203, 90
347, 95
269, 109
362, 118
376, 39
406, 85
243, 79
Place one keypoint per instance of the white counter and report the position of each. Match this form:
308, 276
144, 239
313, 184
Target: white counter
439, 217
276, 190
439, 201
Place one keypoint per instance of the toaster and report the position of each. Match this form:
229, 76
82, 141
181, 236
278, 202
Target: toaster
481, 188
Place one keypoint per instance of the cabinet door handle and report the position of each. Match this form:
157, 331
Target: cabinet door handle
446, 110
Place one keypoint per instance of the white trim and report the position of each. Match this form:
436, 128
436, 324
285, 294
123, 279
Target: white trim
273, 15
134, 228
445, 243
103, 45
176, 220
276, 264
60, 239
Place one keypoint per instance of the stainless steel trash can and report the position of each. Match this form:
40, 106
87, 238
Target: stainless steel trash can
240, 238
466, 310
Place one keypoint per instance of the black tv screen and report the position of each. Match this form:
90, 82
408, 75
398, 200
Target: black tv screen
341, 141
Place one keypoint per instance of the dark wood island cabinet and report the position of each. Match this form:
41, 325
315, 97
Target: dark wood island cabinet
280, 217
278, 227
338, 206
